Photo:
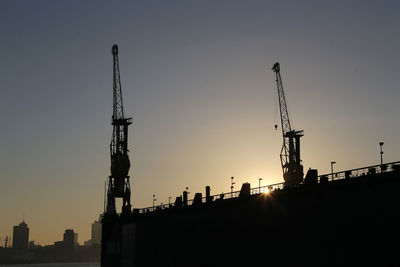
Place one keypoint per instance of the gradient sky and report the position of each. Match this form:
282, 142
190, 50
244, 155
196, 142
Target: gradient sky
196, 78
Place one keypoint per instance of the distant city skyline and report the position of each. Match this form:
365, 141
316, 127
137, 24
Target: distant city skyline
26, 251
21, 240
197, 80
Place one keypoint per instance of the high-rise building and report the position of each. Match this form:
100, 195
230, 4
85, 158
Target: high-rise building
70, 238
20, 235
96, 232
76, 240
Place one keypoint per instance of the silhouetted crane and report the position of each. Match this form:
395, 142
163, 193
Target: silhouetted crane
118, 181
290, 152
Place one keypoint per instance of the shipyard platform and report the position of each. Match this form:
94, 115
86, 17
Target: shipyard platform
348, 218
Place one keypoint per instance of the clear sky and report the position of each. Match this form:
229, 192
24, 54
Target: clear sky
196, 78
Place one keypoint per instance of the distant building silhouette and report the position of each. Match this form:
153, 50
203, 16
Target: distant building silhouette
31, 244
20, 236
96, 232
59, 244
70, 239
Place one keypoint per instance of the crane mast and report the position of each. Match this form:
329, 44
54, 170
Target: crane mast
290, 152
118, 185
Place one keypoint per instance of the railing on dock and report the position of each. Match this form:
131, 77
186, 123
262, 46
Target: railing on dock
348, 174
360, 172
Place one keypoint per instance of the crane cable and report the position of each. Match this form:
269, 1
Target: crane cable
275, 106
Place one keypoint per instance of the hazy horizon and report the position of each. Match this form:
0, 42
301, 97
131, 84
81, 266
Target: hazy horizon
197, 80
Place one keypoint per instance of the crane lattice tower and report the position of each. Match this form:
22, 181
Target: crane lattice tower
118, 185
290, 152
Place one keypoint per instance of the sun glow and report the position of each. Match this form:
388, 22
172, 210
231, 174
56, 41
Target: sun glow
265, 191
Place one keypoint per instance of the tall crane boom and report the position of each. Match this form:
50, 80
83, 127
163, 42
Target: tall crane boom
290, 152
118, 108
118, 185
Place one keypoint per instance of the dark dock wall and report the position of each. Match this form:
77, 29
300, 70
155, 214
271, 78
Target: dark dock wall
342, 223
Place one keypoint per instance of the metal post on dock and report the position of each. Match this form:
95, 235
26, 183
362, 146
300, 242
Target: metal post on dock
381, 145
332, 162
232, 183
154, 199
